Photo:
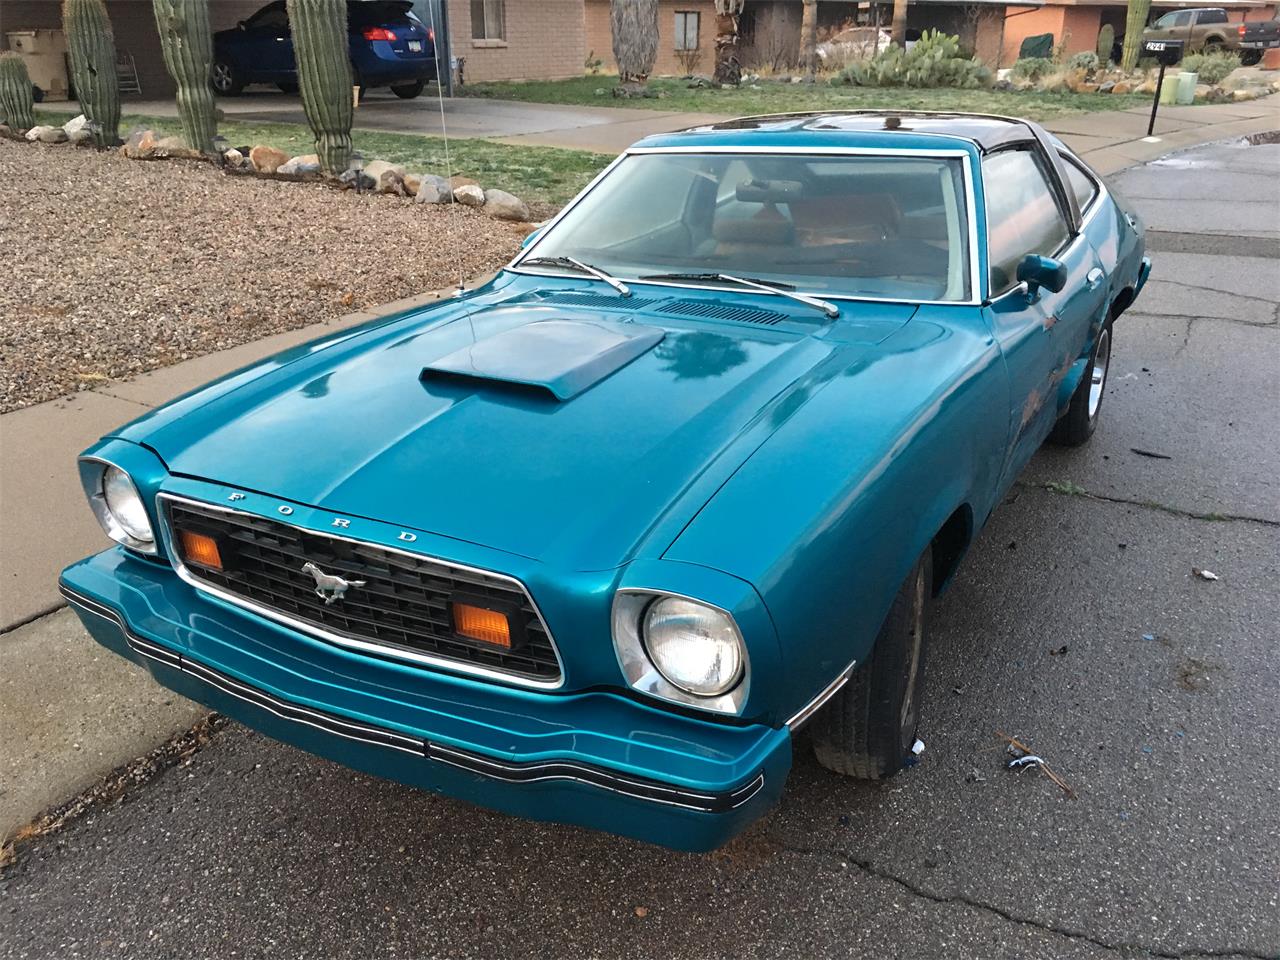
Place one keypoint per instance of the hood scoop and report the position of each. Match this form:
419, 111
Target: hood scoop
560, 358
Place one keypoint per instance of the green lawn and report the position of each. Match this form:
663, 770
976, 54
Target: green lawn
543, 176
782, 98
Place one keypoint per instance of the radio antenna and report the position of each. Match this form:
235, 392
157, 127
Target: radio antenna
444, 134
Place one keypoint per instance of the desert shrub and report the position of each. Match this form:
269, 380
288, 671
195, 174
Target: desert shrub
1033, 68
1212, 67
1086, 61
934, 61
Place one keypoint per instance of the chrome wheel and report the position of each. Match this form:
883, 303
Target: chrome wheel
221, 76
907, 717
1098, 371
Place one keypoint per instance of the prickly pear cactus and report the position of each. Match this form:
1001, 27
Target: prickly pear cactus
324, 75
92, 50
16, 102
1106, 40
187, 44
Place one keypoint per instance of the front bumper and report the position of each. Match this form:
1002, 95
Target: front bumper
595, 759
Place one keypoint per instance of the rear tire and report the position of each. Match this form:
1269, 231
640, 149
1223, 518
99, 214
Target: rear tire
225, 78
869, 727
407, 91
1076, 426
1250, 58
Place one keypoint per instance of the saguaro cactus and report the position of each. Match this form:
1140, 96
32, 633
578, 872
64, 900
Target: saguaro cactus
16, 102
324, 75
93, 67
1106, 41
188, 55
1135, 22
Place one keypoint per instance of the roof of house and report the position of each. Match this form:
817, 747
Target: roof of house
987, 132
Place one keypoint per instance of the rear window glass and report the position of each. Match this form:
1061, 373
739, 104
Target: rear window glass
366, 13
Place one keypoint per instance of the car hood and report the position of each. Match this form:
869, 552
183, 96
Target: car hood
509, 426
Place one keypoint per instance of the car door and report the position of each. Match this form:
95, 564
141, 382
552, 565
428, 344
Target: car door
265, 51
1041, 333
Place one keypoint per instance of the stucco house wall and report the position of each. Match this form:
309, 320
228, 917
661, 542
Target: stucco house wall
543, 40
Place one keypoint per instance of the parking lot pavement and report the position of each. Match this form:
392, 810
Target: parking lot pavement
1170, 847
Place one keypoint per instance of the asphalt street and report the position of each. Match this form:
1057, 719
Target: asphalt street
1170, 846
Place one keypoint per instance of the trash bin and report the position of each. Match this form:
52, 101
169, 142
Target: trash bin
1187, 87
1168, 90
45, 54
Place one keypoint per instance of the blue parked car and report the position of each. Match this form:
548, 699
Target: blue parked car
590, 543
390, 47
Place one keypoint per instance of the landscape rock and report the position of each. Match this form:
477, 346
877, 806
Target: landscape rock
233, 158
174, 147
300, 166
81, 138
351, 180
1146, 86
469, 194
505, 206
1243, 95
431, 188
37, 132
141, 145
267, 159
387, 177
75, 124
5, 130
1122, 86
1107, 86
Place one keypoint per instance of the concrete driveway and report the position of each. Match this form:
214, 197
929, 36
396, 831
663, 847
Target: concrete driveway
1170, 847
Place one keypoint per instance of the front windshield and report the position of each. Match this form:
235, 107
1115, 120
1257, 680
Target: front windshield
854, 226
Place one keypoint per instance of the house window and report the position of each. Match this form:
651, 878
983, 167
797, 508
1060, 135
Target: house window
488, 20
687, 30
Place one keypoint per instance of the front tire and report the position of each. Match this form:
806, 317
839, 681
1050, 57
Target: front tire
869, 727
407, 91
1076, 426
225, 78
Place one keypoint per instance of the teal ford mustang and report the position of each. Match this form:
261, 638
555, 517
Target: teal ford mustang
589, 543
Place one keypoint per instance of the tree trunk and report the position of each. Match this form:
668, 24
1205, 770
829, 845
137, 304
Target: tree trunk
635, 40
1133, 27
898, 33
809, 39
728, 68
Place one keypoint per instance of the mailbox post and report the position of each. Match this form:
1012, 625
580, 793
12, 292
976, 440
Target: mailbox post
1168, 53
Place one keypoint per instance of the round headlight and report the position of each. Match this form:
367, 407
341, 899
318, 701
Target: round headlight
696, 647
125, 506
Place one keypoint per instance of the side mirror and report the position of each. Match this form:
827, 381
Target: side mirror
240, 24
528, 240
1037, 271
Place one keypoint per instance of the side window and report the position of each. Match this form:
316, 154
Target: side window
1182, 19
1022, 214
1081, 183
272, 18
1165, 22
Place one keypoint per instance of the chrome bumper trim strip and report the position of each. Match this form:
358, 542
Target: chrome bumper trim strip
384, 737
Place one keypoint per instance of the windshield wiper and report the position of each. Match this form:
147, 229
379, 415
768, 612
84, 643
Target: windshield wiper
581, 267
766, 286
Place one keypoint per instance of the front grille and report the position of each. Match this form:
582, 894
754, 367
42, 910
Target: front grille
403, 606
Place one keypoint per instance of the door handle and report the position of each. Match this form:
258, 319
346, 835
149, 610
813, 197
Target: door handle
1094, 277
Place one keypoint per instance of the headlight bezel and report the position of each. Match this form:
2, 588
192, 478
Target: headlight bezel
106, 516
631, 608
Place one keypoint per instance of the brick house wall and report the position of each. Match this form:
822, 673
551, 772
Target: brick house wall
599, 35
543, 39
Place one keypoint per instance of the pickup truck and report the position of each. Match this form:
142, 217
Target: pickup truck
1207, 29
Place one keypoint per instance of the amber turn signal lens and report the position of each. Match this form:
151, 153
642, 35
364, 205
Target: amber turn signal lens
488, 626
201, 549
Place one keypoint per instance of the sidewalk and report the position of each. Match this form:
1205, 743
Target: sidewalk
45, 524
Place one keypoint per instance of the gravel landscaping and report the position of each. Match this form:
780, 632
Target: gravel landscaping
113, 267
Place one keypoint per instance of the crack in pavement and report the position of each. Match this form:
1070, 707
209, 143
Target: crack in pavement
1069, 489
866, 866
1262, 324
32, 618
1230, 293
